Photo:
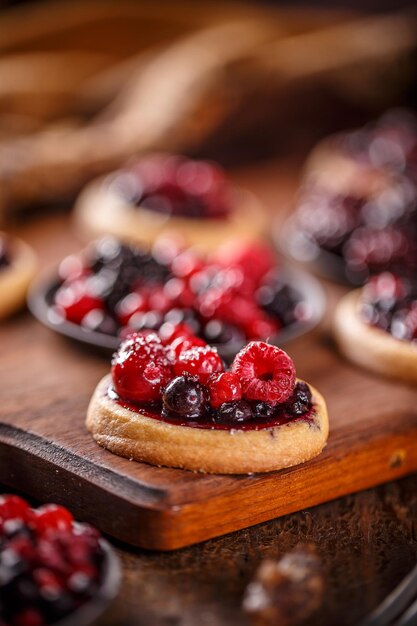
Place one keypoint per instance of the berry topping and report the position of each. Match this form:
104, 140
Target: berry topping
200, 362
266, 372
52, 517
185, 396
12, 507
300, 400
140, 368
224, 387
48, 566
234, 412
183, 344
75, 300
177, 186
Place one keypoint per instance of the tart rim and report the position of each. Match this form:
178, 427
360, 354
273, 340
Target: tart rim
372, 347
137, 223
16, 276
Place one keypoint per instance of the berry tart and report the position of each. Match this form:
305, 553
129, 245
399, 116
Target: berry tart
357, 210
235, 294
376, 326
51, 567
170, 401
17, 268
166, 193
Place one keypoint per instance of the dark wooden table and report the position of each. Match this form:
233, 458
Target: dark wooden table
367, 541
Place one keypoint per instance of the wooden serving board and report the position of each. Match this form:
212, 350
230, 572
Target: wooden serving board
46, 452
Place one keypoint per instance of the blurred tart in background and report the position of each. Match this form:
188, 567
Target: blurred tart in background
376, 326
358, 204
164, 193
17, 268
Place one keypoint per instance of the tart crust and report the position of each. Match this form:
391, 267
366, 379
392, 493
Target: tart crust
16, 277
330, 166
99, 211
370, 347
141, 438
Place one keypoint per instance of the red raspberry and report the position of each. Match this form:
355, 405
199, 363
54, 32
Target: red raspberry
183, 343
140, 368
129, 305
168, 332
224, 387
13, 507
266, 372
200, 362
254, 259
262, 327
74, 300
52, 517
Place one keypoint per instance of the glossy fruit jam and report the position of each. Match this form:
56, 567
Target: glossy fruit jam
208, 422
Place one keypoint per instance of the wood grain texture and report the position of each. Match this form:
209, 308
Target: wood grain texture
47, 452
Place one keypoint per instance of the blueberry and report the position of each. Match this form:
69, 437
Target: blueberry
300, 399
186, 397
234, 412
263, 410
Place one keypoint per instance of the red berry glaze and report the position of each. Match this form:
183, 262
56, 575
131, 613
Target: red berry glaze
140, 368
200, 362
52, 517
266, 372
224, 387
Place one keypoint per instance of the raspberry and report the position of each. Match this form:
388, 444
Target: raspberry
129, 305
74, 300
52, 517
13, 507
255, 260
183, 344
200, 362
168, 332
266, 372
224, 387
140, 368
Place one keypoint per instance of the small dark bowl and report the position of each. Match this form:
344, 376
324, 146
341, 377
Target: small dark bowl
322, 262
42, 293
90, 611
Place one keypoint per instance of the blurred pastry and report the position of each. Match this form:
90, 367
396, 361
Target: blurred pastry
166, 194
358, 203
376, 327
17, 268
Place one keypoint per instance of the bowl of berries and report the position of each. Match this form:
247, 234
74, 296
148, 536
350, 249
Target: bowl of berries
53, 570
235, 294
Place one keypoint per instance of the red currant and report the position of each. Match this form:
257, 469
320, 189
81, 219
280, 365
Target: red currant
52, 517
200, 362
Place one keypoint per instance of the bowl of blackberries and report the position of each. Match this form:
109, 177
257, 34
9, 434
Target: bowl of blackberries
53, 570
236, 294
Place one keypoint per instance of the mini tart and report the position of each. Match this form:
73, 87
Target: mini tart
100, 210
233, 451
371, 347
16, 277
332, 167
